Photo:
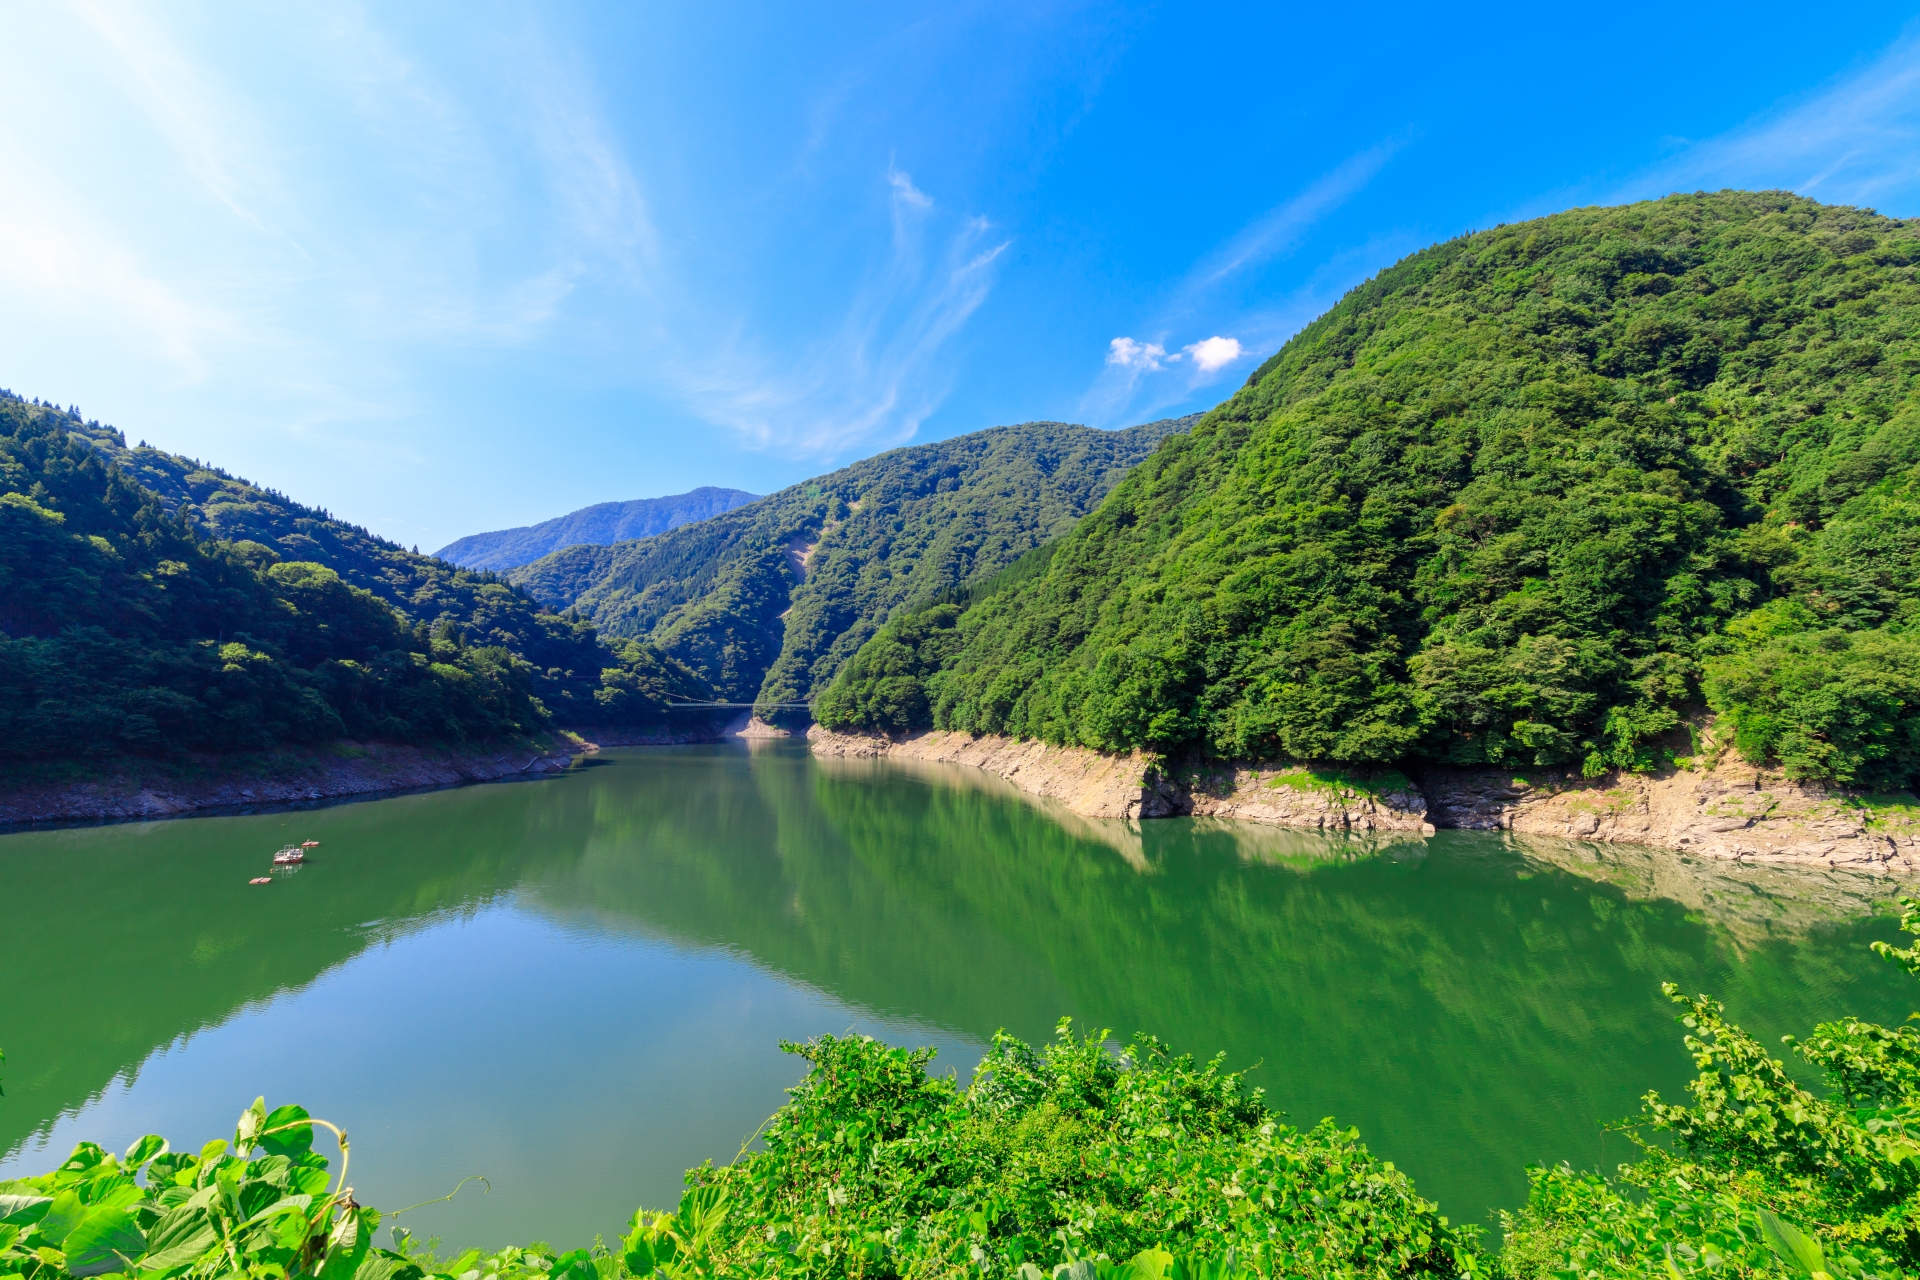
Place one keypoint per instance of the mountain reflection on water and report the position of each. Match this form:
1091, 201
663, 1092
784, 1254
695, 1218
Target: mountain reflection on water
487, 974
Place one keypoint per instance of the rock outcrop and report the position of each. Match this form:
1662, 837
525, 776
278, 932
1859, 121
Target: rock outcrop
1291, 796
1724, 809
1097, 784
1092, 784
1729, 809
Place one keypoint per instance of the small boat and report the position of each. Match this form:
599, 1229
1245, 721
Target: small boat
291, 856
261, 880
309, 844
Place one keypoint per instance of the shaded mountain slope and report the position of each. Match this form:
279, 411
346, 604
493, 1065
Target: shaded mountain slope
602, 524
578, 678
1535, 496
149, 603
123, 630
767, 601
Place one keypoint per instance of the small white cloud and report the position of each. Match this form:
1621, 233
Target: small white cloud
906, 192
1129, 354
1214, 354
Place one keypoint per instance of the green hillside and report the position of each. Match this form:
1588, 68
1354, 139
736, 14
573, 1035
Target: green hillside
150, 604
1535, 496
767, 601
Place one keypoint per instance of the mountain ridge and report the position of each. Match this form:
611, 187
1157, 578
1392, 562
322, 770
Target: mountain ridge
117, 562
767, 600
1543, 496
602, 524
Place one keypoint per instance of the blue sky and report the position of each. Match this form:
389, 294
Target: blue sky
443, 268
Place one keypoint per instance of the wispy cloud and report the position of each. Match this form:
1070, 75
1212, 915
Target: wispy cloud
875, 376
204, 124
1281, 227
1139, 377
904, 190
316, 254
1855, 142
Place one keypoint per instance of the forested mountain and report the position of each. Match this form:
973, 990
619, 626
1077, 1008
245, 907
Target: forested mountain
767, 601
602, 524
1531, 497
149, 603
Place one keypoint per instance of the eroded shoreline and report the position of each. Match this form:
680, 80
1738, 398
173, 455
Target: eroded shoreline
1731, 810
132, 790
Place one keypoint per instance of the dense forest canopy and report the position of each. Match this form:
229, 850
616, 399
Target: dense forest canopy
768, 601
1540, 495
150, 604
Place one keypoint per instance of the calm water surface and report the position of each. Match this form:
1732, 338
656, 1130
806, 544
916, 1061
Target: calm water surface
577, 986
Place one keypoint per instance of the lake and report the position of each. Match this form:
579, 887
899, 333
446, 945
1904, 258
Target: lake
577, 986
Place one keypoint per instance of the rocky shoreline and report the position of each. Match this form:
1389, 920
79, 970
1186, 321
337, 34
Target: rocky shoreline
131, 790
1726, 809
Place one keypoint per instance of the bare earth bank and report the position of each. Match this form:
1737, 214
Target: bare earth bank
130, 790
1730, 810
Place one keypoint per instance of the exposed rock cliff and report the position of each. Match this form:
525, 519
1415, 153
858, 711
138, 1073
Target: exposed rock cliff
1090, 783
1096, 784
1728, 810
1289, 795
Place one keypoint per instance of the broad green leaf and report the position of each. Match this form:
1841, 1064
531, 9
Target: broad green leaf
62, 1216
180, 1236
1078, 1269
256, 1195
86, 1157
103, 1241
309, 1179
289, 1204
119, 1193
638, 1256
173, 1197
294, 1141
24, 1209
148, 1148
702, 1210
347, 1246
379, 1264
1899, 1149
170, 1166
1793, 1246
1148, 1264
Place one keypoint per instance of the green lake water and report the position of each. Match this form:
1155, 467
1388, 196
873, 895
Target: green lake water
576, 986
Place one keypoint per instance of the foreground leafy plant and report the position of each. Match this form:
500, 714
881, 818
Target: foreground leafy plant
1058, 1155
1758, 1174
1077, 1161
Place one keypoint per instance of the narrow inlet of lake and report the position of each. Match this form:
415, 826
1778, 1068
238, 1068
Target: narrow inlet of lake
577, 986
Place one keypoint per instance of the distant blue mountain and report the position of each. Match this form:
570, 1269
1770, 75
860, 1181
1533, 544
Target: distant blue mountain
602, 524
